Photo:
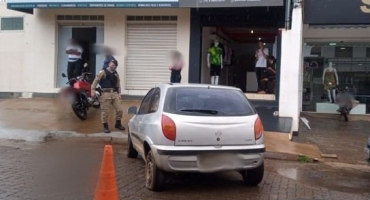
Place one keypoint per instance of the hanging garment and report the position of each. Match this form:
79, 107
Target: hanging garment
229, 56
226, 50
330, 81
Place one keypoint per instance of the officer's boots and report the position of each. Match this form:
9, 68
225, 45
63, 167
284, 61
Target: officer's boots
119, 125
106, 128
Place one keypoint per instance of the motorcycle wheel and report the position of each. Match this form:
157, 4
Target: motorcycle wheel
79, 110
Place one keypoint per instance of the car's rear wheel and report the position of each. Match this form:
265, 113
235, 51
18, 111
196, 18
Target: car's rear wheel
154, 177
253, 177
131, 152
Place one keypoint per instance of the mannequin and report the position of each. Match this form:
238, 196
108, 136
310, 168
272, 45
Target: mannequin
330, 81
215, 62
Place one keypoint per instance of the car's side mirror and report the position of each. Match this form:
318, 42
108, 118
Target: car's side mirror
64, 75
132, 110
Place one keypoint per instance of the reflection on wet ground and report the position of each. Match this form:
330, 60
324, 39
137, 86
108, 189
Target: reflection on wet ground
336, 176
51, 115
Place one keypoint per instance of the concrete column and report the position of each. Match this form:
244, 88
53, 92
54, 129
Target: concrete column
290, 101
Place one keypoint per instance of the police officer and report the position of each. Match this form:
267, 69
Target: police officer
109, 81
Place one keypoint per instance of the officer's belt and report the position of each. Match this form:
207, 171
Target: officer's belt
108, 90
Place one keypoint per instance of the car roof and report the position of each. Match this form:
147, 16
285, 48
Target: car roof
194, 85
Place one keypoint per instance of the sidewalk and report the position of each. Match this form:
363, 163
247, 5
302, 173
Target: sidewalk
36, 119
335, 136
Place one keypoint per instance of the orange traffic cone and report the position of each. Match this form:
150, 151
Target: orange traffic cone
107, 186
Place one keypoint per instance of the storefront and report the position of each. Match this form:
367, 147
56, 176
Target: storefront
238, 26
142, 33
336, 54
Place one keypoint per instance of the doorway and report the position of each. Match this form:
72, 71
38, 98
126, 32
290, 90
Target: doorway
87, 37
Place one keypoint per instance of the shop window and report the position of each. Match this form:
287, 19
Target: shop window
368, 52
343, 52
12, 23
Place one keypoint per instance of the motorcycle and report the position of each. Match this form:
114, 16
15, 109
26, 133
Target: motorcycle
78, 94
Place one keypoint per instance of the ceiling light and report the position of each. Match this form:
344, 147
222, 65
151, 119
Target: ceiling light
264, 43
252, 31
332, 44
343, 48
359, 64
259, 38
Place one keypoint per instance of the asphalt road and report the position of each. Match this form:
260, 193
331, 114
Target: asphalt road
69, 170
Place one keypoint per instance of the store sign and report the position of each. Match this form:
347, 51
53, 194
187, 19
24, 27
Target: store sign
337, 12
26, 4
229, 3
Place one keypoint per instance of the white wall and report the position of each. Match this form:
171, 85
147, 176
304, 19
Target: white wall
32, 53
290, 100
16, 53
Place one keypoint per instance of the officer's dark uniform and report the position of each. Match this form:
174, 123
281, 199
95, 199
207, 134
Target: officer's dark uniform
110, 84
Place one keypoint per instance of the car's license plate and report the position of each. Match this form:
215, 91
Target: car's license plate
218, 160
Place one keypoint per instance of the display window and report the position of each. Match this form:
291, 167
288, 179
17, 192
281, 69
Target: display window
330, 68
240, 57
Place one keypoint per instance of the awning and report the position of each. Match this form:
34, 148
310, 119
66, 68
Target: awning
29, 5
340, 26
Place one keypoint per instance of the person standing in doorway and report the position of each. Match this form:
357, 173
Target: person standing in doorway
109, 82
261, 63
75, 63
177, 62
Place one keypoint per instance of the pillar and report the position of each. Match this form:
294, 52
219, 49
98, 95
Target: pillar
290, 97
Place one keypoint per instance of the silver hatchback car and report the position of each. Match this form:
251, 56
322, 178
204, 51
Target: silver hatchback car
196, 128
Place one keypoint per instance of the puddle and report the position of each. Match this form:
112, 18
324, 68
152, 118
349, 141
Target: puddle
289, 173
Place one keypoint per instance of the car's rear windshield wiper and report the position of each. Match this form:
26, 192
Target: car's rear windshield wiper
213, 112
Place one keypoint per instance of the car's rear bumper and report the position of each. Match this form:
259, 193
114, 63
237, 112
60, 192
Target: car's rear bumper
208, 159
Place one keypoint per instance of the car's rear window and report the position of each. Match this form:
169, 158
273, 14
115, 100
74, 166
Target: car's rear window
198, 101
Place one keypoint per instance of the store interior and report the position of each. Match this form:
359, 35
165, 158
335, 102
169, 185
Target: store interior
351, 61
239, 46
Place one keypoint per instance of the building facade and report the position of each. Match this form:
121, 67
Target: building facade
142, 38
34, 35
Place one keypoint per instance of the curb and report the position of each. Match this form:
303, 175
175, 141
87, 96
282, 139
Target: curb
289, 157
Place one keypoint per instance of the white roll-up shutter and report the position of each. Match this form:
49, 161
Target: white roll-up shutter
148, 46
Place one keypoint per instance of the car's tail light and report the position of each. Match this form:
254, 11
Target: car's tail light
168, 128
258, 128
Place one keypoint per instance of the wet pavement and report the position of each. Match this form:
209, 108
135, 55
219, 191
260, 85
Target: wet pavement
50, 170
51, 115
335, 136
34, 118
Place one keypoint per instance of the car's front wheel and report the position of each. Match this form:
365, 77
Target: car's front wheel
131, 152
154, 177
253, 177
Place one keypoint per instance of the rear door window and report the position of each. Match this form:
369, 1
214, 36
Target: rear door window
207, 102
144, 107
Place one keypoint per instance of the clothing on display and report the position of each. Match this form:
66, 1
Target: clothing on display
329, 80
214, 61
215, 70
215, 55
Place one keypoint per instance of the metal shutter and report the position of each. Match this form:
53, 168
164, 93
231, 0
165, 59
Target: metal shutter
148, 46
